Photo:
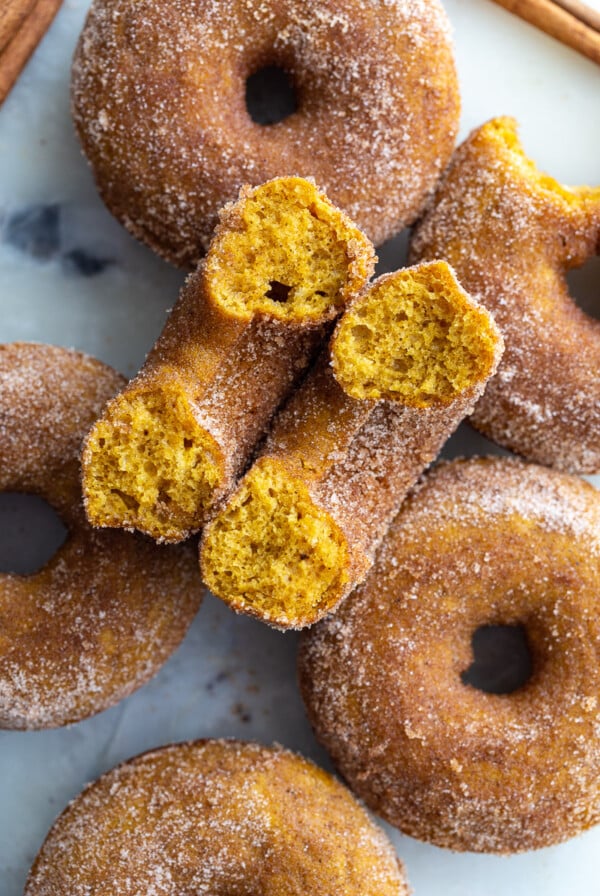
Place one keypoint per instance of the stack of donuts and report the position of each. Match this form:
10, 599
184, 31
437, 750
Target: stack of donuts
274, 448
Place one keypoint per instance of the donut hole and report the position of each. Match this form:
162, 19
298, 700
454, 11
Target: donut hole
502, 660
272, 551
286, 252
584, 286
32, 533
270, 95
415, 338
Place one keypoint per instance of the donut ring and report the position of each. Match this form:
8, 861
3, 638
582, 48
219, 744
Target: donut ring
109, 608
159, 105
216, 817
512, 233
480, 542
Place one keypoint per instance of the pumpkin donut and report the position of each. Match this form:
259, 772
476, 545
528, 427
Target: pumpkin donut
109, 608
479, 542
216, 817
282, 265
159, 105
406, 363
512, 233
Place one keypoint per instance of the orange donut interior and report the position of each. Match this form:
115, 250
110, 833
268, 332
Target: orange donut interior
415, 338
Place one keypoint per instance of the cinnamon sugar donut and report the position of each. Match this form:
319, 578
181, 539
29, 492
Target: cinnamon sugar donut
407, 361
109, 608
159, 105
512, 233
283, 263
216, 817
480, 542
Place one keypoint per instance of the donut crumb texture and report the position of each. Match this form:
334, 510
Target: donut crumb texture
415, 338
150, 466
272, 552
285, 250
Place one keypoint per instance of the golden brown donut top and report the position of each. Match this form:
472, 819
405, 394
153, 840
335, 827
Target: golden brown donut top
480, 542
159, 105
216, 817
49, 398
109, 608
512, 232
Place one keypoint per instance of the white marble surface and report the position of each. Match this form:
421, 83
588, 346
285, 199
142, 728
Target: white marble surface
83, 282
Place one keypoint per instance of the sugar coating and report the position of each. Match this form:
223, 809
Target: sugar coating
216, 817
478, 542
109, 608
302, 528
159, 104
512, 233
282, 265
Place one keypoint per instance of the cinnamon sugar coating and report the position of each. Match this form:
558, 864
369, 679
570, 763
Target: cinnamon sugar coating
109, 608
158, 93
300, 531
216, 817
512, 233
479, 542
283, 263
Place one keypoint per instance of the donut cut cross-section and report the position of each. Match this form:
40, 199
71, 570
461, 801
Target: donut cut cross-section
512, 233
407, 361
103, 615
216, 817
481, 542
282, 265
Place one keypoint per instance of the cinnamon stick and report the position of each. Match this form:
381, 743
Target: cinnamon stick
12, 15
581, 11
556, 21
23, 42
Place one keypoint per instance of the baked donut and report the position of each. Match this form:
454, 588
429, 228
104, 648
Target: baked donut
512, 233
283, 263
216, 817
158, 94
109, 608
408, 360
479, 542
